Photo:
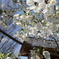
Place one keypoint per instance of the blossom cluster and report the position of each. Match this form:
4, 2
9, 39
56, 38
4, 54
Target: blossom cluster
39, 20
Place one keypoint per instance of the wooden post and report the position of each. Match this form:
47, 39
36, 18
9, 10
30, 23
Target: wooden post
37, 57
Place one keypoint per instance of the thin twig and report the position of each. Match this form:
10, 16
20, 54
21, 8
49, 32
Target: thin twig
55, 40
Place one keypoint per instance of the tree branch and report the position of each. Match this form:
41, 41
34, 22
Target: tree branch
28, 45
55, 40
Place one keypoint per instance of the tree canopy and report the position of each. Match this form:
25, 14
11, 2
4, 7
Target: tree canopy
36, 18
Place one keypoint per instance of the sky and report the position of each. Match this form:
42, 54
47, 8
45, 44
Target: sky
22, 57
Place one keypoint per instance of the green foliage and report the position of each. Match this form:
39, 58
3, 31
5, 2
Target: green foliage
5, 11
24, 12
14, 1
3, 56
0, 11
9, 54
44, 23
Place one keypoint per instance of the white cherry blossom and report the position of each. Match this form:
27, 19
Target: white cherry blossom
57, 7
39, 1
48, 10
46, 54
42, 6
53, 2
8, 58
29, 2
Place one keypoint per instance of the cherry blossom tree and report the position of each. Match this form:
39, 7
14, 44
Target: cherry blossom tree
37, 18
40, 19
